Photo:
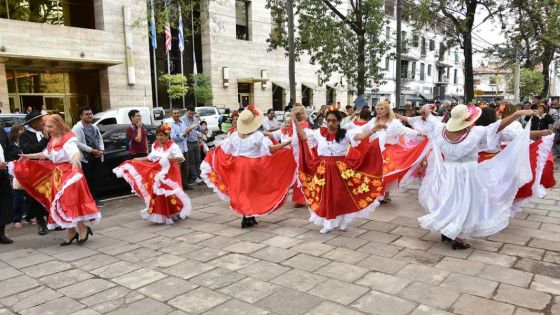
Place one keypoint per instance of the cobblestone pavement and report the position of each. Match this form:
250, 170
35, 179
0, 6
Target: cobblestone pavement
208, 265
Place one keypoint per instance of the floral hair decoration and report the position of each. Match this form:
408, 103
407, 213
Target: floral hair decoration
472, 113
165, 128
252, 109
331, 108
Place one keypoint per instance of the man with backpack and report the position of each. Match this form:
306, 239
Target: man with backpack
136, 136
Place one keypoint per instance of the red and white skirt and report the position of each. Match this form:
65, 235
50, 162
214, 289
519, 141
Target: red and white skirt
252, 186
60, 189
400, 163
159, 185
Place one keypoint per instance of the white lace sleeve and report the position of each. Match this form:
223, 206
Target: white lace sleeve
226, 144
492, 136
433, 126
176, 152
277, 135
152, 155
312, 137
509, 133
265, 144
402, 130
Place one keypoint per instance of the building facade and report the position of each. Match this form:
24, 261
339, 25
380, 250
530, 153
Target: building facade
491, 82
63, 54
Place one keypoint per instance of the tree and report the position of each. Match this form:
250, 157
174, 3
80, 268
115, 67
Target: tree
202, 88
338, 39
532, 82
176, 85
457, 17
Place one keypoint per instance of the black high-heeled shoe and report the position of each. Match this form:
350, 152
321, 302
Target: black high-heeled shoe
75, 237
88, 233
245, 223
459, 245
445, 238
253, 221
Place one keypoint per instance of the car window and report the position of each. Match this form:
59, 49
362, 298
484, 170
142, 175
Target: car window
8, 121
115, 140
206, 111
108, 121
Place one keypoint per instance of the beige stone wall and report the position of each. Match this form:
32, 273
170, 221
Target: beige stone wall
54, 41
247, 58
4, 89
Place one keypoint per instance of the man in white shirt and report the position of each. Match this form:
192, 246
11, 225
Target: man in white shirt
270, 123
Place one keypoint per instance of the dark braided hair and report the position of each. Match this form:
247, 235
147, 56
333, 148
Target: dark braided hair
341, 132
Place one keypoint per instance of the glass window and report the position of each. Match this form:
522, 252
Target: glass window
403, 40
429, 70
242, 19
41, 82
58, 12
413, 70
390, 7
404, 69
415, 40
455, 79
387, 34
456, 57
423, 47
11, 81
387, 61
432, 45
422, 74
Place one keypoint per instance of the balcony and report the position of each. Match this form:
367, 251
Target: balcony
442, 80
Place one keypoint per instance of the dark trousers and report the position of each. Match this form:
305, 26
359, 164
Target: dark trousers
185, 170
90, 174
19, 204
194, 160
6, 209
37, 211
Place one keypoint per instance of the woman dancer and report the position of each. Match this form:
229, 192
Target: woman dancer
157, 180
59, 184
339, 184
248, 171
465, 198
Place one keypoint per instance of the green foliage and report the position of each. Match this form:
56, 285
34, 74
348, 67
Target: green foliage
531, 82
343, 41
177, 87
202, 88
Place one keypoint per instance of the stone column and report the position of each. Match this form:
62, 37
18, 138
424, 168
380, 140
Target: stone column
4, 100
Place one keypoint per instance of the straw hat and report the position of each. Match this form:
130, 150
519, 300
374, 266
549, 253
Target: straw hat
249, 120
462, 116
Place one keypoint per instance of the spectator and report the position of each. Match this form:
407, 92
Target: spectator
350, 116
206, 139
6, 198
29, 110
179, 136
44, 110
270, 123
234, 118
91, 146
319, 121
191, 133
12, 153
136, 136
540, 120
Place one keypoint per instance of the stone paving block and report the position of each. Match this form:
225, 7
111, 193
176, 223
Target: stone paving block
167, 288
446, 250
480, 244
383, 282
409, 231
180, 248
346, 255
327, 307
492, 258
9, 272
116, 249
195, 237
510, 238
139, 278
61, 306
299, 280
378, 226
522, 297
274, 254
386, 265
507, 275
412, 243
411, 222
315, 236
217, 278
471, 285
76, 254
250, 290
545, 244
218, 242
86, 288
233, 261
114, 270
522, 251
207, 227
342, 271
30, 260
289, 231
378, 303
255, 236
86, 312
553, 257
338, 291
524, 311
428, 310
546, 284
286, 301
472, 305
282, 241
430, 295
244, 247
16, 254
419, 257
380, 249
422, 273
144, 306
555, 309
173, 233
4, 311
164, 261
158, 242
236, 307
347, 242
65, 278
198, 300
313, 248
94, 262
460, 265
30, 298
120, 303
538, 267
112, 294
205, 254
138, 237
17, 284
379, 237
306, 262
263, 270
138, 255
188, 269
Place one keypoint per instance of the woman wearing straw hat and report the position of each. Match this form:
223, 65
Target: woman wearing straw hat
465, 198
248, 171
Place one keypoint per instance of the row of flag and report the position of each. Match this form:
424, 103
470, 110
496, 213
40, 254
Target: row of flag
167, 31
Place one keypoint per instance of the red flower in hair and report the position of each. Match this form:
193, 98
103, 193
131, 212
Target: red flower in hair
165, 128
253, 110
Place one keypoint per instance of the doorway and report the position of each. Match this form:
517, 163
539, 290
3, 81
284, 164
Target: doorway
277, 97
33, 101
244, 94
306, 96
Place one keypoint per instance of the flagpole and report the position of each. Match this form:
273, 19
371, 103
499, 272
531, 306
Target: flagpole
168, 41
181, 45
154, 44
195, 71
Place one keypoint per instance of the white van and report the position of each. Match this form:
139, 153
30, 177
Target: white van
120, 116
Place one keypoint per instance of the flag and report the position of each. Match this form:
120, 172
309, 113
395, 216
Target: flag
167, 37
153, 27
195, 70
181, 36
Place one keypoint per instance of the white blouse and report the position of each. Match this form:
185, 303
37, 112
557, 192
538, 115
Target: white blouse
281, 137
328, 148
174, 151
69, 149
253, 146
394, 130
509, 133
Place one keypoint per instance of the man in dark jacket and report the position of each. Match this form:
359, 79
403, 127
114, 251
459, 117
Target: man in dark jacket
34, 140
6, 213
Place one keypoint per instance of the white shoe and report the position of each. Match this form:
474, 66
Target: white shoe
343, 226
198, 180
324, 230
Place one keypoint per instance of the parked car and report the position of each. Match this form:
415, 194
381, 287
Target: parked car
114, 139
7, 120
115, 116
210, 115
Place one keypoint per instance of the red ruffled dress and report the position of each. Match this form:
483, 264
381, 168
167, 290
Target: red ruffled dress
339, 183
60, 189
158, 183
243, 172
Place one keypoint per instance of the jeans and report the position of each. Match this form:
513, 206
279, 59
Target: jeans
19, 204
194, 160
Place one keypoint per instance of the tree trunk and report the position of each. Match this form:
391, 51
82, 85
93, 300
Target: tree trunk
469, 81
361, 81
291, 53
547, 57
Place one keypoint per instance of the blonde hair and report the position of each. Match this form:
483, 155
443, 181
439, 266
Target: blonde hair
388, 108
298, 112
57, 120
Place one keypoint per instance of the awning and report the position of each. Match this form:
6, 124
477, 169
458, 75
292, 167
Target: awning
252, 80
444, 64
413, 98
31, 62
312, 86
427, 96
409, 57
283, 85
